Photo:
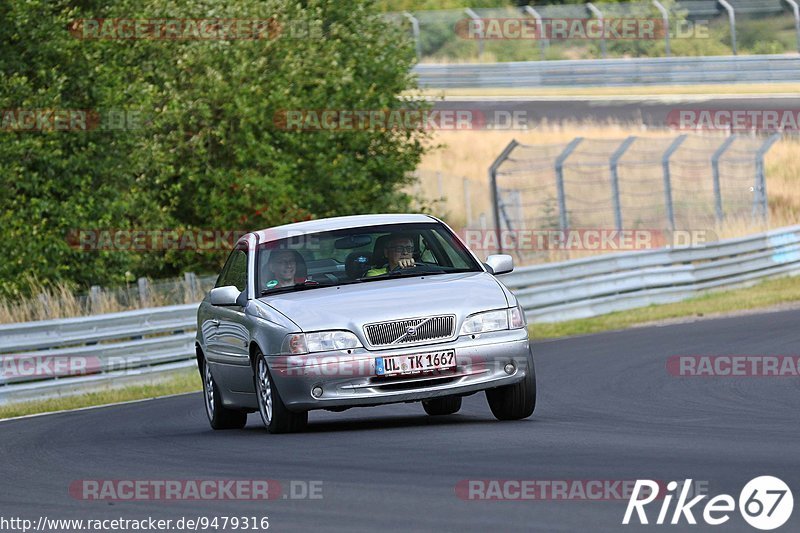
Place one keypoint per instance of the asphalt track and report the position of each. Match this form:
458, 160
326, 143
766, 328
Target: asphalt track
608, 410
650, 111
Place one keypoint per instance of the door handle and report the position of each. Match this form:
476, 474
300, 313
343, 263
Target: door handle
214, 321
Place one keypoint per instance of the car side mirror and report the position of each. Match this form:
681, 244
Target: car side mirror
227, 295
500, 263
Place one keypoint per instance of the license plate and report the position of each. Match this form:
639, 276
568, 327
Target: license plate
413, 364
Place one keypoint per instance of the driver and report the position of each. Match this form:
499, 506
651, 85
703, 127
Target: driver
283, 266
399, 251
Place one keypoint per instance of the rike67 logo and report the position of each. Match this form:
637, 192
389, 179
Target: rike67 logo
765, 503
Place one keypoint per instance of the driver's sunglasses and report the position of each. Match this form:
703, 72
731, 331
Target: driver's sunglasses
402, 249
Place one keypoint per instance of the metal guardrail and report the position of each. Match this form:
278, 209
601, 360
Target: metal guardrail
549, 293
593, 286
73, 355
613, 72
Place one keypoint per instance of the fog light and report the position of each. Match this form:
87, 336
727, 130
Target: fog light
509, 368
316, 392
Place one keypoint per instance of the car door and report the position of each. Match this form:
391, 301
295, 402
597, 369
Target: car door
228, 350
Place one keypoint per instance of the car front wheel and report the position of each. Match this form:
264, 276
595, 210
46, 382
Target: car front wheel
514, 402
276, 416
219, 416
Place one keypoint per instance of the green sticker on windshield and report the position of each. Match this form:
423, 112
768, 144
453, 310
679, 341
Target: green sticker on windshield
272, 283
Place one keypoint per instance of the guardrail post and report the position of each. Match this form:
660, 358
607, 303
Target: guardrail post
563, 220
665, 18
667, 180
760, 189
474, 16
732, 18
715, 174
498, 206
539, 29
599, 14
415, 32
613, 162
796, 11
144, 291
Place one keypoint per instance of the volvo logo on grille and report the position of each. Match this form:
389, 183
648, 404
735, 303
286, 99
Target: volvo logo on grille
411, 331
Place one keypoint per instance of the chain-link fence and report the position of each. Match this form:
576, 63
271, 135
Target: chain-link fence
679, 183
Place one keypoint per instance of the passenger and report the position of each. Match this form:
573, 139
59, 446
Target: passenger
399, 252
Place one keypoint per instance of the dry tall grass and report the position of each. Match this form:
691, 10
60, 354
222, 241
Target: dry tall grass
64, 300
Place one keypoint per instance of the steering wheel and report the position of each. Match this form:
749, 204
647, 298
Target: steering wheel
418, 267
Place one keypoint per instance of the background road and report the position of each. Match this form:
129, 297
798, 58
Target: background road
607, 410
648, 110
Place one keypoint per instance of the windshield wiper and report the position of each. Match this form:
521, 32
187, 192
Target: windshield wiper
307, 284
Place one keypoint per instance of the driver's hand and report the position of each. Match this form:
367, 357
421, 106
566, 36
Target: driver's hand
406, 263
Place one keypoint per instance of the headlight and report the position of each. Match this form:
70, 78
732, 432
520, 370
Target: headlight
483, 322
511, 318
319, 341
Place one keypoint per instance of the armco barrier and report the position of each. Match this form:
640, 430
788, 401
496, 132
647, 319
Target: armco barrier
613, 72
124, 351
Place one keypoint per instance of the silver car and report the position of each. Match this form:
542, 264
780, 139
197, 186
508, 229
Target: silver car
360, 311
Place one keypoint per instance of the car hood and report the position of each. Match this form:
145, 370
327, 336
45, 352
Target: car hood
351, 306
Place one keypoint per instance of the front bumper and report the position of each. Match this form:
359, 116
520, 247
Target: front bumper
349, 379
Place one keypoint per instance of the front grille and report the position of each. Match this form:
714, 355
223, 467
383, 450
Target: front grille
396, 332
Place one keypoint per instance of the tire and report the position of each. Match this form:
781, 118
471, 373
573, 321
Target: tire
447, 405
514, 402
219, 417
277, 418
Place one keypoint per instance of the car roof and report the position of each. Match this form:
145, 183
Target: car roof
336, 223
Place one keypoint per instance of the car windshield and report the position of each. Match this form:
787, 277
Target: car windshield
357, 255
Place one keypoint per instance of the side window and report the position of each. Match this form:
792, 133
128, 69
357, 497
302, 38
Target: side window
235, 270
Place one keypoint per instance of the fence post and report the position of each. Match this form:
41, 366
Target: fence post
732, 19
539, 29
715, 174
474, 16
563, 221
796, 11
415, 32
467, 202
599, 14
94, 299
760, 190
144, 291
191, 281
665, 18
667, 181
613, 162
498, 206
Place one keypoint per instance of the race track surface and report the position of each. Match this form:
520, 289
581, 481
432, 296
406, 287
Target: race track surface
650, 111
607, 410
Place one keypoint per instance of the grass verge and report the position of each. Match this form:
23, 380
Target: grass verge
763, 295
188, 381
